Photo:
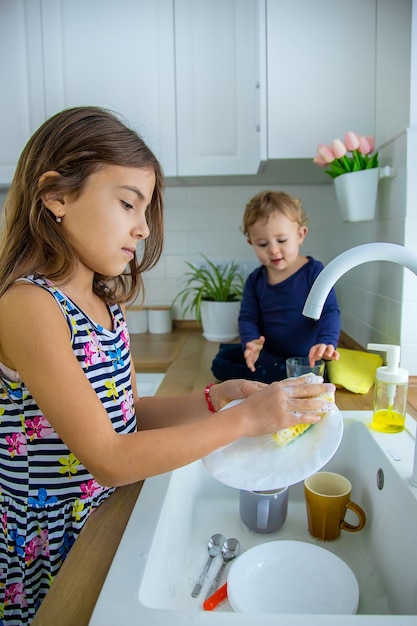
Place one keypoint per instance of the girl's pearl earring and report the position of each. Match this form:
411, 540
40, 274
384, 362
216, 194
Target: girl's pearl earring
58, 219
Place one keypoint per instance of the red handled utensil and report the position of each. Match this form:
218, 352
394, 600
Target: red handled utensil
215, 599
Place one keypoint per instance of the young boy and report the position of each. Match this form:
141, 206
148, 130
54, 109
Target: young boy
271, 325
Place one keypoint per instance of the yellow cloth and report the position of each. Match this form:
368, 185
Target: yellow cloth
355, 370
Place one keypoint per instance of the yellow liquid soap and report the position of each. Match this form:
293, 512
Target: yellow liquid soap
388, 421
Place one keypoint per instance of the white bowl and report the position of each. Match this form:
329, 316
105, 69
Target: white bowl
292, 577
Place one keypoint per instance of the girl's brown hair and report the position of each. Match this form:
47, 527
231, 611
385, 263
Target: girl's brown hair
75, 143
265, 203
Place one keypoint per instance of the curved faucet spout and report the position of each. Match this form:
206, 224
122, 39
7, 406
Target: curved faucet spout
313, 306
343, 263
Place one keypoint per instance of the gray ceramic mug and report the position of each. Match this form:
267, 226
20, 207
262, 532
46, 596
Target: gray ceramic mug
263, 511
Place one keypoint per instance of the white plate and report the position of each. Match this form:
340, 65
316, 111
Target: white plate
259, 464
292, 577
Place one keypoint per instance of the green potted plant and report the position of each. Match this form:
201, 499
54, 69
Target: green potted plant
213, 292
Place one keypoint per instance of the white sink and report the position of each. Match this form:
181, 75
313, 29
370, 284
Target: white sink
164, 546
147, 383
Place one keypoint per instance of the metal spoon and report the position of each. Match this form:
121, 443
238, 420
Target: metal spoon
230, 550
214, 549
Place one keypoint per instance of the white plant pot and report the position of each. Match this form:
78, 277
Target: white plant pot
159, 319
137, 320
220, 320
356, 194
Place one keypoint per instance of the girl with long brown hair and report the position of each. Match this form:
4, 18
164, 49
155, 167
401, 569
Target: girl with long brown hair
82, 221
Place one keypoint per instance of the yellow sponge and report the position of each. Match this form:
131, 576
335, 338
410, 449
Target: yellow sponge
286, 435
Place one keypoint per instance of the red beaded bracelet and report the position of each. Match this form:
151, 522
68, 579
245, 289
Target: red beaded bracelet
209, 402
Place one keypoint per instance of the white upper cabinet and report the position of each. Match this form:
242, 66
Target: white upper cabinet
21, 103
320, 73
194, 99
217, 82
118, 55
396, 73
213, 86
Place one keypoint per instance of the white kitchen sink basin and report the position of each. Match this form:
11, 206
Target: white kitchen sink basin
164, 546
147, 383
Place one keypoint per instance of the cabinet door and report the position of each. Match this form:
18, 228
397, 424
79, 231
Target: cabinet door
320, 73
21, 79
118, 55
216, 48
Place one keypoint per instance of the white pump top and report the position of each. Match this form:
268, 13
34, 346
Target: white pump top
390, 373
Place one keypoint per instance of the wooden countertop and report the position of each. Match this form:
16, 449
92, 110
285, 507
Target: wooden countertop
186, 357
155, 353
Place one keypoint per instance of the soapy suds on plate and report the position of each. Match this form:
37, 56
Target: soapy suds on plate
285, 436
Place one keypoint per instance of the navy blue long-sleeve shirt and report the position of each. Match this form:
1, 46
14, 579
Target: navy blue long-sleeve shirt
275, 311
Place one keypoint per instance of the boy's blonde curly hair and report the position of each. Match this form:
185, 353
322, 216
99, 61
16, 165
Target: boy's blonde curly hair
265, 203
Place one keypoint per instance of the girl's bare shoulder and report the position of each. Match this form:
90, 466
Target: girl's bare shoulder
28, 316
23, 298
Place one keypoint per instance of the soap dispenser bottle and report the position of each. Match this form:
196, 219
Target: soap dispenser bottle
391, 386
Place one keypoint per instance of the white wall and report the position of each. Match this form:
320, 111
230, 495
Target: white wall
409, 312
379, 300
370, 296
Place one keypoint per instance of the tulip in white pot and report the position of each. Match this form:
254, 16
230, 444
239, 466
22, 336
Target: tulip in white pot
355, 172
213, 292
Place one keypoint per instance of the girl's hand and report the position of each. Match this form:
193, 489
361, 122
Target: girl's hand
322, 351
223, 393
286, 403
252, 352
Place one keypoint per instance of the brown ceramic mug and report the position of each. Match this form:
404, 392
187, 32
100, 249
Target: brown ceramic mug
327, 498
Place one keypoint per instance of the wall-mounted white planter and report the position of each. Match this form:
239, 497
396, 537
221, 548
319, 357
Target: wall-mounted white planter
356, 194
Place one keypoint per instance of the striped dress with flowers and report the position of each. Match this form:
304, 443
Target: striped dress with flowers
46, 494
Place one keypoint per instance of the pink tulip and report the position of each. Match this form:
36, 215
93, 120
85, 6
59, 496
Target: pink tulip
371, 142
318, 160
367, 144
352, 141
339, 148
326, 153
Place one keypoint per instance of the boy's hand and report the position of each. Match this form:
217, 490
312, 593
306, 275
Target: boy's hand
252, 352
323, 351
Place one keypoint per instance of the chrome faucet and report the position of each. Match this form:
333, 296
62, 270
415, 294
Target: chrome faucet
313, 306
